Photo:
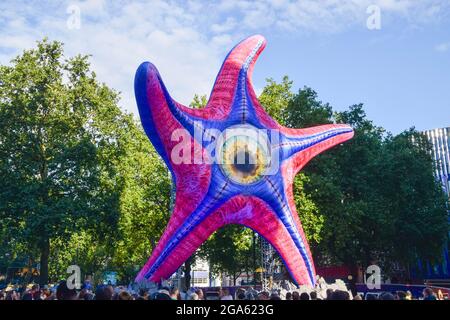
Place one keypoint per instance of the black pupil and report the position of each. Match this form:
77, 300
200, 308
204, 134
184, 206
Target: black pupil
244, 162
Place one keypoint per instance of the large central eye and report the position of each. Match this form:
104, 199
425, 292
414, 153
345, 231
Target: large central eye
244, 154
244, 162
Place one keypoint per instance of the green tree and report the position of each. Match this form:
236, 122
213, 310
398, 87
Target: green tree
49, 144
81, 181
355, 226
275, 98
366, 202
144, 202
308, 212
414, 201
198, 101
305, 110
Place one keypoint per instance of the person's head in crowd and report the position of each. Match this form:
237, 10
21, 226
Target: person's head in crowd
288, 296
12, 295
440, 295
295, 295
193, 296
104, 293
340, 295
109, 290
200, 294
64, 293
401, 295
428, 294
27, 296
89, 296
82, 293
22, 289
250, 295
387, 296
100, 293
357, 297
304, 296
371, 297
241, 296
175, 293
165, 288
313, 295
329, 293
274, 296
143, 293
264, 295
45, 293
87, 286
163, 294
124, 295
2, 296
225, 294
238, 292
409, 295
51, 294
36, 292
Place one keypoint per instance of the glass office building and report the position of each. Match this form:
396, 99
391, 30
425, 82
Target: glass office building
440, 141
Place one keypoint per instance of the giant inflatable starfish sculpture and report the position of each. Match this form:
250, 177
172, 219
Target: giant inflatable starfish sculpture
242, 170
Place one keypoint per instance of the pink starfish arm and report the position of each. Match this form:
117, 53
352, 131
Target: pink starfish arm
192, 180
241, 58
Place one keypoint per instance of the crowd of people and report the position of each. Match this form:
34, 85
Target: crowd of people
109, 292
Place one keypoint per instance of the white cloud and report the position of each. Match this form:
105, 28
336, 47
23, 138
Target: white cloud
185, 40
228, 25
329, 15
122, 35
442, 47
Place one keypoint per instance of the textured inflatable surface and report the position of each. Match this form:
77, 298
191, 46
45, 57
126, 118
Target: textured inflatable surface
231, 163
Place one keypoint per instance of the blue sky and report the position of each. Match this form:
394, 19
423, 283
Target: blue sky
401, 71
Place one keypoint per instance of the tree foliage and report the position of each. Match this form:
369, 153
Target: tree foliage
198, 101
377, 195
79, 175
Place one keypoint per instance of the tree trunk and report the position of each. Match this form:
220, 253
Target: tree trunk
187, 272
45, 245
45, 253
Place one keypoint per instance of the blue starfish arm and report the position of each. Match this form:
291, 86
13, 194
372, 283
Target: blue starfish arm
322, 138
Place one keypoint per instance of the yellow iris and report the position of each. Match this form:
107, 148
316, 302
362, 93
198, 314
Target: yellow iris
244, 160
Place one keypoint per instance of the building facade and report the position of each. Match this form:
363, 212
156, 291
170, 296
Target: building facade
440, 141
201, 275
